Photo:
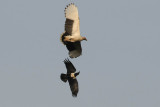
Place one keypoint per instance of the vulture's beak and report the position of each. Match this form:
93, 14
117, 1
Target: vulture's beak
85, 39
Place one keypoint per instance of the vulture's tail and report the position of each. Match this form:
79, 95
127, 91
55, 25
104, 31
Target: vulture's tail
63, 77
62, 37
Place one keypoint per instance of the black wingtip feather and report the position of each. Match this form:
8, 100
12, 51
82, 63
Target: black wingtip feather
66, 61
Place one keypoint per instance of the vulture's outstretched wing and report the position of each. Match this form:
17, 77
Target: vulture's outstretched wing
71, 37
69, 66
73, 86
72, 19
75, 49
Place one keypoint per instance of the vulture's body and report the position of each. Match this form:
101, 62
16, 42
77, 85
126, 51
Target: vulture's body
70, 76
71, 37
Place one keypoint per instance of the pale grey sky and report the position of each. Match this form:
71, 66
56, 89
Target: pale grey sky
120, 65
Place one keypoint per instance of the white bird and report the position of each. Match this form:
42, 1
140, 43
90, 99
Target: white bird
71, 37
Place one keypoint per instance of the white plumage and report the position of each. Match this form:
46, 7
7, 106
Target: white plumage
71, 37
71, 12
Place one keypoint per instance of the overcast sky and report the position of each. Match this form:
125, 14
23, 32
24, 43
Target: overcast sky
120, 64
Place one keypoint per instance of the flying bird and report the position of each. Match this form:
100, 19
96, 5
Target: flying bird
70, 76
71, 37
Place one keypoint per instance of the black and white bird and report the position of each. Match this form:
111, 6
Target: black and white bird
70, 76
71, 37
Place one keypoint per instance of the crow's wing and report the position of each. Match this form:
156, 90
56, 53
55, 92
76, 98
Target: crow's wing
69, 66
73, 86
